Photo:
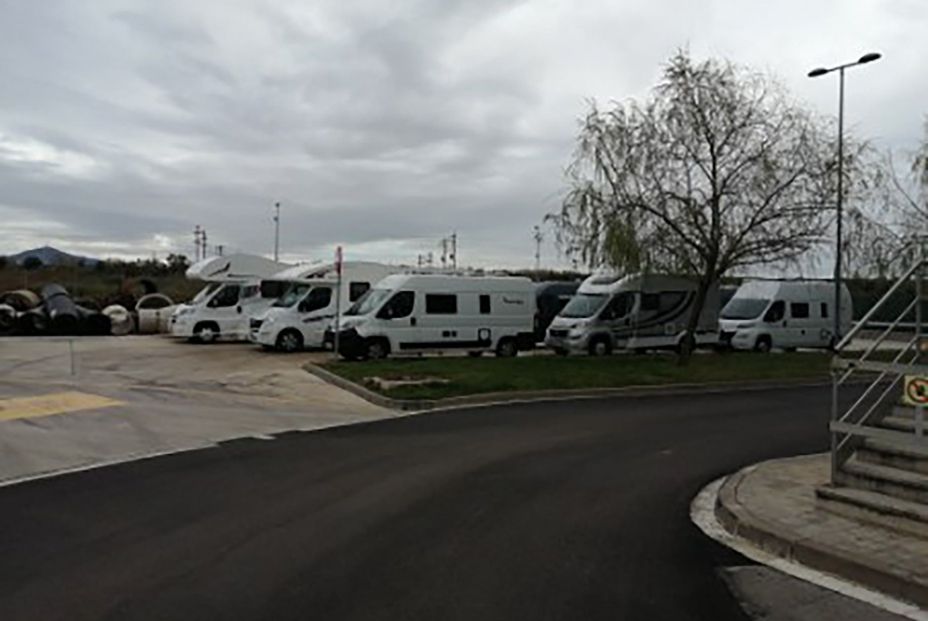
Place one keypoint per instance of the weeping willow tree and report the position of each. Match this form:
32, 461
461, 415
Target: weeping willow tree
719, 169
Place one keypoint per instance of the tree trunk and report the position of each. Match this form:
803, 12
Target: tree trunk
689, 338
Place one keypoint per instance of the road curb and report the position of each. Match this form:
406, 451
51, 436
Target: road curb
856, 567
526, 396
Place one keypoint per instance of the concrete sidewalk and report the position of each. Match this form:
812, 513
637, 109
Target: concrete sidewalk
773, 505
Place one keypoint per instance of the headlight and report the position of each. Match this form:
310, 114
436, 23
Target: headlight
186, 310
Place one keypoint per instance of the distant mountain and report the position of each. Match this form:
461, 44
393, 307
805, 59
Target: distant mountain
52, 256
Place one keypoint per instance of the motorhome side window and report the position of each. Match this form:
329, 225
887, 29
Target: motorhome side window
485, 304
228, 296
671, 299
249, 292
776, 312
650, 301
356, 290
824, 310
620, 306
399, 306
799, 310
441, 304
318, 298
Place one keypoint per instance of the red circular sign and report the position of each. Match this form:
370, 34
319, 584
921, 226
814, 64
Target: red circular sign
917, 390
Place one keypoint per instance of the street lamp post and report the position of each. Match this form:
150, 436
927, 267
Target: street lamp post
866, 58
276, 229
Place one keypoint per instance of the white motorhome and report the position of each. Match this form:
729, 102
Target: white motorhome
237, 285
786, 314
416, 313
299, 318
639, 312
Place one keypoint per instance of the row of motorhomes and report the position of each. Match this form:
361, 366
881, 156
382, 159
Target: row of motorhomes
380, 310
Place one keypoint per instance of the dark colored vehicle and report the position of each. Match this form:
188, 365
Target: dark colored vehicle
550, 298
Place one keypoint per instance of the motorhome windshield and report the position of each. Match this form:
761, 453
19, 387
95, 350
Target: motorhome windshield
744, 308
293, 295
369, 301
205, 292
584, 305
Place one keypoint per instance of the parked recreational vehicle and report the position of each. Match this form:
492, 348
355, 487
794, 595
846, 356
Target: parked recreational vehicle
222, 307
550, 298
299, 318
638, 312
414, 313
764, 314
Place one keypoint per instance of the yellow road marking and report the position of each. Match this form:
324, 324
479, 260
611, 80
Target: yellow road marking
55, 403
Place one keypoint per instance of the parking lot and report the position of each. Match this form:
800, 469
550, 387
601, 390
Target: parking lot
76, 403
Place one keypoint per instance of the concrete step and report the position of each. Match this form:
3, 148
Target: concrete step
893, 482
900, 423
910, 458
875, 508
905, 411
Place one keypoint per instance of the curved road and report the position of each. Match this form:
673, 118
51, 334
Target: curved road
563, 510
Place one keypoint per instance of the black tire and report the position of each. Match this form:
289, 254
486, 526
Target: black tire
376, 349
763, 344
290, 341
475, 354
507, 348
600, 346
560, 351
205, 332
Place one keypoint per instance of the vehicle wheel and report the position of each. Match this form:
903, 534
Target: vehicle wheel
507, 348
560, 351
475, 354
289, 341
763, 344
377, 349
600, 346
205, 332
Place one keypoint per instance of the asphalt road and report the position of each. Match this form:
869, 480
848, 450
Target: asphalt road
542, 511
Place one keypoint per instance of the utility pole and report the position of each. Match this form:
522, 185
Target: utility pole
454, 251
203, 237
219, 250
444, 252
196, 242
276, 229
538, 238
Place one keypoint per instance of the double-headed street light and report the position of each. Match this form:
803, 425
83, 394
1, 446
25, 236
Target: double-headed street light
866, 58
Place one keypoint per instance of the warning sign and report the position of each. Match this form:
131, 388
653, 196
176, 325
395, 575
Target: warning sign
916, 390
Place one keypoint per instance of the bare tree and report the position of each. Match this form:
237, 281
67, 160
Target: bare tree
717, 170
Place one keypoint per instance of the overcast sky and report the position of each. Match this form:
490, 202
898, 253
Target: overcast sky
383, 126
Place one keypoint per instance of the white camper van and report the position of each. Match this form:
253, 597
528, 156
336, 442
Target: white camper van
415, 313
234, 291
638, 312
300, 317
787, 314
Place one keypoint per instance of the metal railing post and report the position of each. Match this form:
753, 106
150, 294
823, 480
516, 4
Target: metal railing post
831, 432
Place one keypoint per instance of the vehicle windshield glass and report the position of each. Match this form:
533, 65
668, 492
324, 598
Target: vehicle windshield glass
293, 295
205, 292
744, 308
584, 305
369, 301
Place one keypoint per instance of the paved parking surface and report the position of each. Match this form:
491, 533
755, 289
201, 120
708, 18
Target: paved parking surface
135, 396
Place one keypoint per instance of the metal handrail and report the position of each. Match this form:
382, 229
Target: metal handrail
880, 339
878, 380
860, 324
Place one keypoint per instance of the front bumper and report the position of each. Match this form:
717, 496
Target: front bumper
560, 340
181, 326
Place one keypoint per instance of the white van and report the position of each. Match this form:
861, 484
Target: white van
300, 317
234, 291
639, 312
787, 314
415, 313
